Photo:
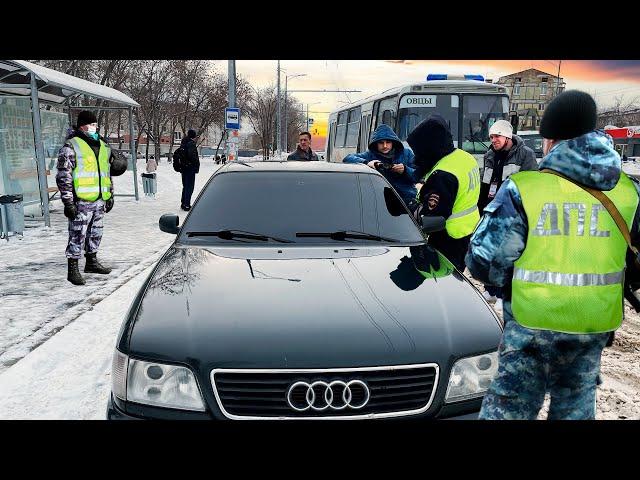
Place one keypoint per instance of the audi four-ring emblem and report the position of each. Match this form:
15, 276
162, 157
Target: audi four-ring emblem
336, 395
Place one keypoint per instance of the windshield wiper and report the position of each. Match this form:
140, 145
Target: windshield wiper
472, 138
345, 234
233, 234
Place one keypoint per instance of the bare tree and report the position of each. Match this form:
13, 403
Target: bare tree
622, 113
261, 112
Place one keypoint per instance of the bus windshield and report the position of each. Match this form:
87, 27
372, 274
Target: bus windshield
416, 108
479, 112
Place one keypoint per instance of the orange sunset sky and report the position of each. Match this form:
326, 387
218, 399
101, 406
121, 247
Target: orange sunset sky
606, 80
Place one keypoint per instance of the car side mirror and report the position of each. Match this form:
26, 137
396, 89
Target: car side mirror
169, 223
433, 224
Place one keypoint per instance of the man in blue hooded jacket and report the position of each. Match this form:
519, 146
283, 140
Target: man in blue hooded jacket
549, 345
390, 157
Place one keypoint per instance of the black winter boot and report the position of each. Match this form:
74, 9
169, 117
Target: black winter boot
93, 266
73, 274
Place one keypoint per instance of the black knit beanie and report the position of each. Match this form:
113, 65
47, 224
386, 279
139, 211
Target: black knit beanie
569, 115
192, 133
86, 117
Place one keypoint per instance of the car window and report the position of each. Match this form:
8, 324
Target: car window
281, 204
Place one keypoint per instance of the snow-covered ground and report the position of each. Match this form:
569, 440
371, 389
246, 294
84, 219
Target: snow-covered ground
37, 300
56, 339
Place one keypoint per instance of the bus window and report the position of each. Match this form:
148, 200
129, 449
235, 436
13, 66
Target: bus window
479, 112
387, 118
330, 141
341, 129
364, 133
416, 108
353, 128
387, 112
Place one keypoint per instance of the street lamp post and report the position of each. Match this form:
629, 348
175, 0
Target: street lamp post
286, 112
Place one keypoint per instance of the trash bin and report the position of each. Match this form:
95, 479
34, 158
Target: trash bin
11, 214
149, 184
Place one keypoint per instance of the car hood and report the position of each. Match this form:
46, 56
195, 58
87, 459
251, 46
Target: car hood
304, 307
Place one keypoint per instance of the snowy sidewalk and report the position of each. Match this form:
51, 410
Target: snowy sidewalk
37, 300
69, 376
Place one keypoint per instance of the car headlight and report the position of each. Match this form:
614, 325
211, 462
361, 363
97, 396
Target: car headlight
157, 384
470, 377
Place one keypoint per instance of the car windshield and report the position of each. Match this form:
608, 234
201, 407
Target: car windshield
278, 208
534, 142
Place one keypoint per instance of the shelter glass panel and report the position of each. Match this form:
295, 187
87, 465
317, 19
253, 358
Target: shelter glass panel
18, 169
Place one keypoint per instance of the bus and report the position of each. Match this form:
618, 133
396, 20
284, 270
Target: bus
468, 104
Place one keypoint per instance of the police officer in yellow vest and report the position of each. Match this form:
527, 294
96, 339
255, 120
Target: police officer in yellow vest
86, 191
561, 259
451, 186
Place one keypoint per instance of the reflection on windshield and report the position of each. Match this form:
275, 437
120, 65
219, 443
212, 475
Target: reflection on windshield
534, 142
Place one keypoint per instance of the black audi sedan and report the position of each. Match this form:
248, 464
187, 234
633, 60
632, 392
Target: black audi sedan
303, 290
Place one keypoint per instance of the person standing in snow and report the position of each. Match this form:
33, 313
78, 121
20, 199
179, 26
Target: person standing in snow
507, 155
389, 156
537, 239
84, 181
189, 169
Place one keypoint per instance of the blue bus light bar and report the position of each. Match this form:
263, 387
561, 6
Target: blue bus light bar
444, 76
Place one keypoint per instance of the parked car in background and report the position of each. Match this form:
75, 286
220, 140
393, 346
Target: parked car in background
533, 140
314, 296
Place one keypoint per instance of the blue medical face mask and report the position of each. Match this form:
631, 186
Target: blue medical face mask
93, 135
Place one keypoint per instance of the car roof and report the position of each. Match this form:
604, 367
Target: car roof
287, 166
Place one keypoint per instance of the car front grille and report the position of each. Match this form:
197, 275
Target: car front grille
271, 394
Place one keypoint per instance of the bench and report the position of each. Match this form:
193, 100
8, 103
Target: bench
27, 173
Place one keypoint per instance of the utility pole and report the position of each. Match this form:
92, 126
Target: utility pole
278, 128
558, 81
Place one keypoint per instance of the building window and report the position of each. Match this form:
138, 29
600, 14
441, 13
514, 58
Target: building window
177, 135
516, 89
541, 106
543, 88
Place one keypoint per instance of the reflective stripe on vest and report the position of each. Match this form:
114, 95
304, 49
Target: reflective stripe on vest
91, 178
464, 215
559, 284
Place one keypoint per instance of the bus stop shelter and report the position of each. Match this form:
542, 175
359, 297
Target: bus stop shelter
28, 126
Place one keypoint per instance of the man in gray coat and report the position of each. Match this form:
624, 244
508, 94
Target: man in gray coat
507, 155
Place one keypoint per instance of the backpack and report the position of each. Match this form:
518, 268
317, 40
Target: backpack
179, 159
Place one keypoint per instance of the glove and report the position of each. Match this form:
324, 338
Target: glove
108, 205
70, 211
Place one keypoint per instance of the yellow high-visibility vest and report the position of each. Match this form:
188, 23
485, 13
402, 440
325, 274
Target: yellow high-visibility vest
91, 178
571, 273
464, 216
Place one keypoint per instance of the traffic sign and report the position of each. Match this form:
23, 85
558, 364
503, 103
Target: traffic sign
311, 121
232, 118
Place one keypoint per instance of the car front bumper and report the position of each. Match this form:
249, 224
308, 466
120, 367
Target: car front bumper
116, 413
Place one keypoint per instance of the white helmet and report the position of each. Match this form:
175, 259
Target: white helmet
501, 127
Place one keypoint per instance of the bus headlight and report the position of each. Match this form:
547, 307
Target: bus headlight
470, 377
